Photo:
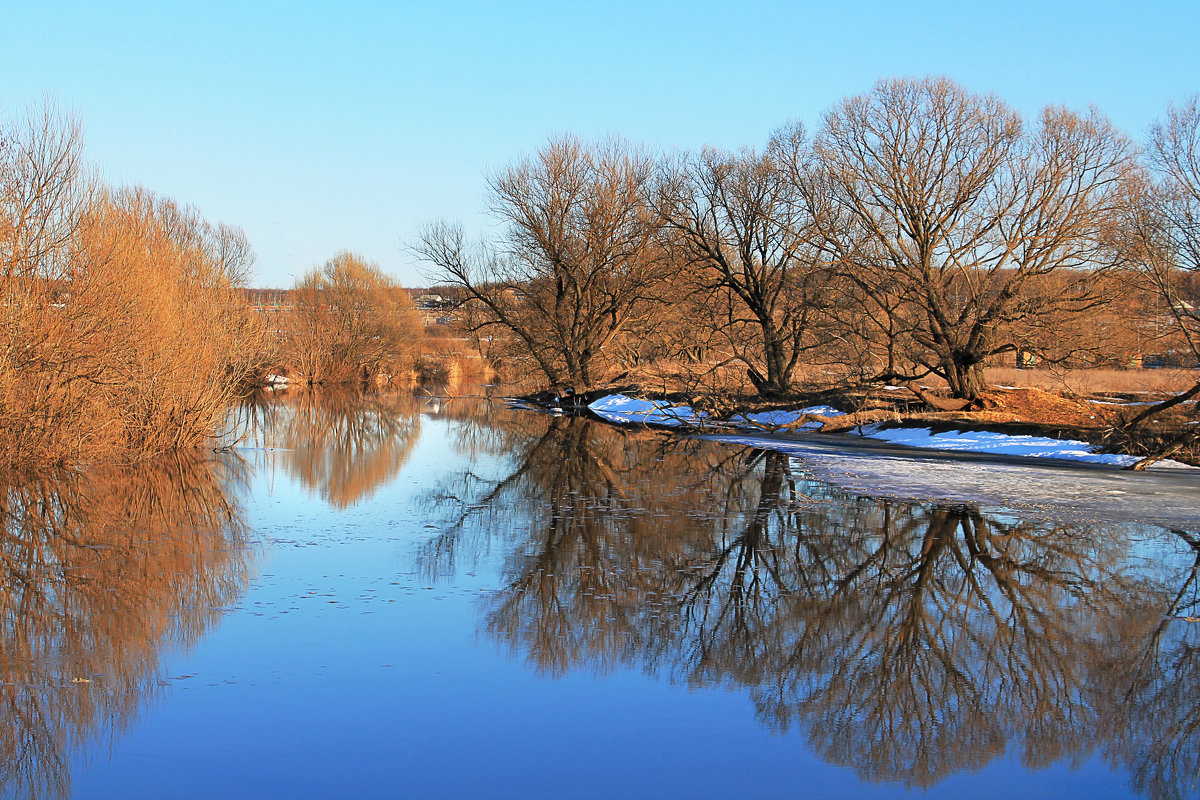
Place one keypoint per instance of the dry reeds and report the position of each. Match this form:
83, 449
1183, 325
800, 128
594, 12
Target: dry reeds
1085, 382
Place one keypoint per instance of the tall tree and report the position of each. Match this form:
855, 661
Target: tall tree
577, 261
1161, 238
949, 216
745, 236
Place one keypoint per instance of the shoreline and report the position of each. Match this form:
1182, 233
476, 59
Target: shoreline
961, 433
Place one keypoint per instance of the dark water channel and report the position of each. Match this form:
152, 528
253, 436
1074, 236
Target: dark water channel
394, 597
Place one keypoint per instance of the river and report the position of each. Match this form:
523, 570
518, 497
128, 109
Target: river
393, 596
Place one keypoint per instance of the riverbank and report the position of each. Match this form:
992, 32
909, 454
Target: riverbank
1026, 423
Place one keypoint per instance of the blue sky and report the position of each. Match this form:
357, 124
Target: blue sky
319, 127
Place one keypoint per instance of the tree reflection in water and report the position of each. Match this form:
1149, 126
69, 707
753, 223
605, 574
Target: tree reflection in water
906, 640
342, 446
101, 571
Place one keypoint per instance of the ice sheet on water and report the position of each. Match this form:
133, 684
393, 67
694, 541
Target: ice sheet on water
1049, 488
997, 443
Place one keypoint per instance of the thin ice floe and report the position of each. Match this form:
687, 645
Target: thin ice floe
996, 443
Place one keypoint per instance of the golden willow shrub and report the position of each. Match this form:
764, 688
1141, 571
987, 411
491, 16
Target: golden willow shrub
123, 334
351, 323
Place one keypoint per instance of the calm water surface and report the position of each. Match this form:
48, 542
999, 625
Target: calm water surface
392, 597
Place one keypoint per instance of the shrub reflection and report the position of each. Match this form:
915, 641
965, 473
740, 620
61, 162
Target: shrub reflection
100, 572
342, 446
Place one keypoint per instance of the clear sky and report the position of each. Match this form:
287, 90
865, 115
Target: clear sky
319, 127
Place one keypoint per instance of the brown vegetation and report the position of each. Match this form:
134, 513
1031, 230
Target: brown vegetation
1162, 240
924, 233
122, 333
745, 239
957, 226
350, 322
578, 265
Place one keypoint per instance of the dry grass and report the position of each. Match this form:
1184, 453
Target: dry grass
1085, 382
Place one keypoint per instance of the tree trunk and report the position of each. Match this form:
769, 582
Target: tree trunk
778, 382
964, 373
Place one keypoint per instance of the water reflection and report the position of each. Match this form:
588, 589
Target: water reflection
905, 640
100, 571
342, 446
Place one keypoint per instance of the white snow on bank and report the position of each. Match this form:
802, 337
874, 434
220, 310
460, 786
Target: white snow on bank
996, 443
623, 410
781, 418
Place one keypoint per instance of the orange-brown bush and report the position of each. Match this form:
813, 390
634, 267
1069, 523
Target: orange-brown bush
122, 332
351, 323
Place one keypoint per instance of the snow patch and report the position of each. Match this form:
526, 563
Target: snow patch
622, 409
625, 410
781, 418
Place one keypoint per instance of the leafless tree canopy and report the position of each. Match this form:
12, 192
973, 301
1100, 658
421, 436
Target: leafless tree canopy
948, 215
923, 230
578, 260
1160, 238
744, 235
1172, 252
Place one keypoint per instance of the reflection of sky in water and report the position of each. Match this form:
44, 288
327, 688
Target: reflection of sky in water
358, 665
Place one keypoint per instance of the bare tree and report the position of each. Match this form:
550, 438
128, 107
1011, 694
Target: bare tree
948, 216
578, 259
121, 333
746, 238
1161, 238
44, 193
1173, 254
